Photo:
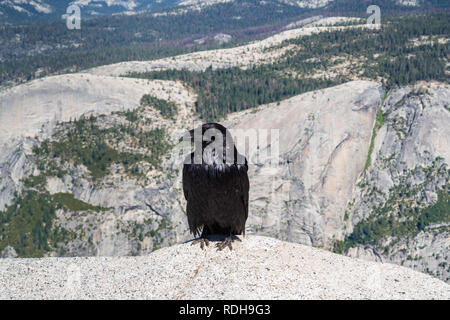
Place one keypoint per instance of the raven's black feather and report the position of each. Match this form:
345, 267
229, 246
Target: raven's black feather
216, 192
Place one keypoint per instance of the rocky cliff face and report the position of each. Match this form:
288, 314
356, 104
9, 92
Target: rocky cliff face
407, 176
323, 142
134, 218
29, 113
324, 190
381, 192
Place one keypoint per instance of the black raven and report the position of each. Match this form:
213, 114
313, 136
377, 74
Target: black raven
215, 185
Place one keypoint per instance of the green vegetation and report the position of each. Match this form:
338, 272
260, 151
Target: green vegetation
388, 55
27, 224
83, 142
31, 51
229, 90
35, 182
394, 53
386, 222
151, 228
40, 49
168, 109
348, 209
68, 201
439, 212
379, 121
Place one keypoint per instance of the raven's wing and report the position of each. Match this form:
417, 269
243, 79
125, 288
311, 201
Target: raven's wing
195, 201
219, 202
186, 183
244, 187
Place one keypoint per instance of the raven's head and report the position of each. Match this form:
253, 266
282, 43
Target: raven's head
217, 145
212, 128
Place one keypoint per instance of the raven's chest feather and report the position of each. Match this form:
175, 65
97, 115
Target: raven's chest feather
209, 184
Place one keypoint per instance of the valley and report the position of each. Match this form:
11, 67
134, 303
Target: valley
91, 166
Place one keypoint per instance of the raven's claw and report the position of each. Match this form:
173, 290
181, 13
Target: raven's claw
203, 242
226, 243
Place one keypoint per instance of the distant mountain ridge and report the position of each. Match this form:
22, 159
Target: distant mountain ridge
28, 11
13, 11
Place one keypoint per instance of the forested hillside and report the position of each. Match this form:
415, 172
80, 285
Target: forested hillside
404, 51
36, 50
39, 49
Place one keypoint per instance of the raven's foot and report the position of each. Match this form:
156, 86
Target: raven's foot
226, 243
203, 242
